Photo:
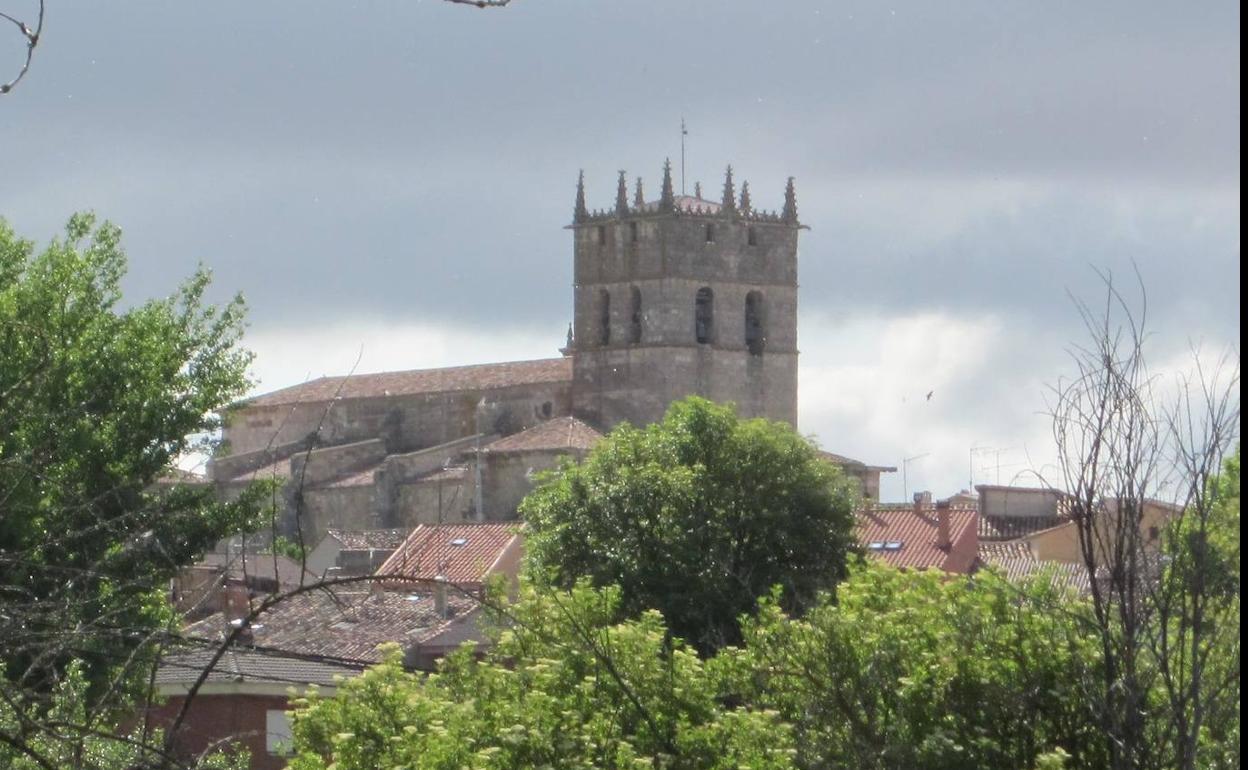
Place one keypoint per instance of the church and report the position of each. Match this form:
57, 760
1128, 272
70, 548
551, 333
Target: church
672, 296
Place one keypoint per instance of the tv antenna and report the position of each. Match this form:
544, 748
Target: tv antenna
905, 484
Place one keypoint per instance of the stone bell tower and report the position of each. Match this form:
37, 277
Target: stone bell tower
681, 296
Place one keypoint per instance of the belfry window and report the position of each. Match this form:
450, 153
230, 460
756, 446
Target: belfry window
635, 328
632, 231
602, 234
710, 233
755, 332
604, 317
704, 315
751, 237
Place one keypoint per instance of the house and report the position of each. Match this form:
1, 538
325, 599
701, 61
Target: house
353, 551
465, 555
318, 637
920, 536
197, 590
1061, 542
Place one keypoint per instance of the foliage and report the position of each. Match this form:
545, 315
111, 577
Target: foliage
696, 516
97, 402
920, 670
75, 738
570, 685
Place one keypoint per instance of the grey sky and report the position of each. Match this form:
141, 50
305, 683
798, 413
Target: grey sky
399, 172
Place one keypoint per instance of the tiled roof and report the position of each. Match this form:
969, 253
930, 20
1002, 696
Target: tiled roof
344, 624
1014, 527
365, 539
456, 378
559, 433
907, 539
1016, 562
242, 664
257, 565
460, 553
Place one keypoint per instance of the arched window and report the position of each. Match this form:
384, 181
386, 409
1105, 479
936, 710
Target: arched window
710, 233
704, 315
604, 317
635, 328
751, 237
602, 234
755, 331
632, 231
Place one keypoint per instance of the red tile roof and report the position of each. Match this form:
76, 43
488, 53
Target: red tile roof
460, 553
556, 434
907, 539
456, 378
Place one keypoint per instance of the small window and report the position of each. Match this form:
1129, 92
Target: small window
604, 317
751, 237
1153, 533
277, 735
704, 315
635, 326
710, 233
547, 409
632, 231
602, 234
755, 333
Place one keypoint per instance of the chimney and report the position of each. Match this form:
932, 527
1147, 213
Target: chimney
439, 597
922, 500
237, 601
944, 540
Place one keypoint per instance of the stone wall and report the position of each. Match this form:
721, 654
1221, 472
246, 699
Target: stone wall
324, 464
1017, 501
404, 422
506, 478
326, 508
633, 377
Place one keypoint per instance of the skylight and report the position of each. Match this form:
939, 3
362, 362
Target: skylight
460, 541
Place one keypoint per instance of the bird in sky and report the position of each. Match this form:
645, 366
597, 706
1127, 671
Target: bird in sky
929, 394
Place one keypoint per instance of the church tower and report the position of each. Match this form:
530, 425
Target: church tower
684, 295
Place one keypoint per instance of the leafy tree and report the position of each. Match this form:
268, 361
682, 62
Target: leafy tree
97, 401
570, 685
918, 670
696, 516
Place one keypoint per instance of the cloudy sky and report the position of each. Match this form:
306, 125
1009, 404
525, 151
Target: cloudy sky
389, 180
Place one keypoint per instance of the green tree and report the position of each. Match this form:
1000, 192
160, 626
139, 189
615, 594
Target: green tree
569, 685
97, 401
696, 516
920, 670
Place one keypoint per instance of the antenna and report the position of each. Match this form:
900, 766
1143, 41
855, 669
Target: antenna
905, 485
683, 133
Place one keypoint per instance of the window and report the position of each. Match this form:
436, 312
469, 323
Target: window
704, 315
635, 328
755, 334
277, 737
751, 237
602, 234
604, 317
710, 233
632, 231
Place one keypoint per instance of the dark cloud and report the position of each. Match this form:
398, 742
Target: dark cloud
415, 161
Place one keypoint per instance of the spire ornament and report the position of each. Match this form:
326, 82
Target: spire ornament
728, 204
621, 196
789, 215
666, 197
580, 213
697, 190
638, 199
745, 197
